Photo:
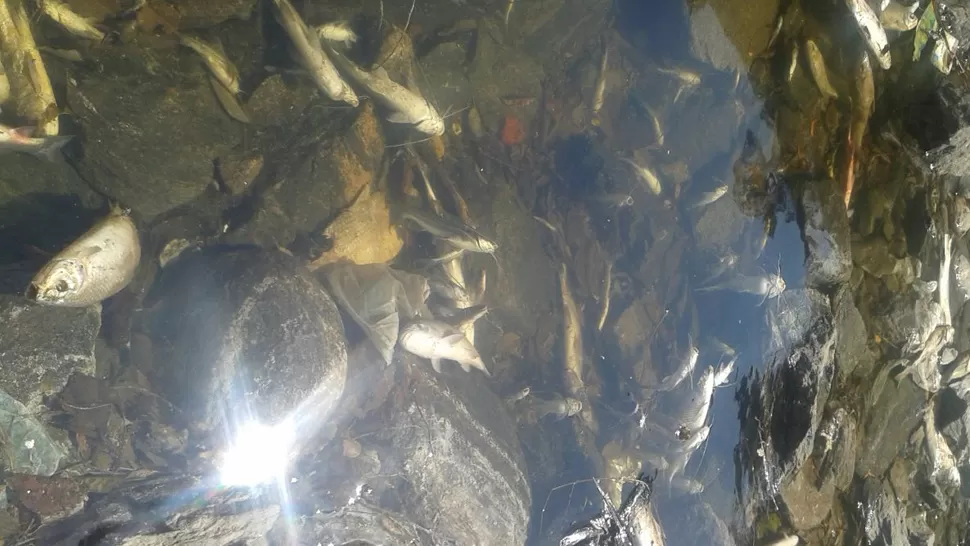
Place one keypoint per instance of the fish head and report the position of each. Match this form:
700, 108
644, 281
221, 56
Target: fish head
433, 125
627, 201
347, 95
573, 406
777, 285
57, 282
485, 245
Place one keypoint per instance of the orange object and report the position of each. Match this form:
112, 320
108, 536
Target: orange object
849, 171
512, 132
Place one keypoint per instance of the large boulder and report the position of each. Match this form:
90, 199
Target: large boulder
240, 329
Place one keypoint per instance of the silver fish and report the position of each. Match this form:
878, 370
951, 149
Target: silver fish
5, 85
573, 350
899, 17
520, 395
683, 370
221, 68
646, 174
74, 23
451, 229
96, 266
605, 296
599, 91
871, 30
792, 63
709, 197
437, 340
693, 414
404, 105
29, 82
942, 462
20, 140
312, 56
816, 64
724, 264
686, 450
769, 286
724, 372
959, 368
961, 276
683, 75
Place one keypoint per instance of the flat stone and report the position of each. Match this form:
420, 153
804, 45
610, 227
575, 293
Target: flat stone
825, 232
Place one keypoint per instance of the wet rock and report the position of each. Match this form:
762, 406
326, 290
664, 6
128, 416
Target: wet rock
835, 450
825, 232
278, 102
721, 121
709, 42
237, 171
49, 498
894, 411
487, 502
151, 128
361, 524
40, 348
807, 505
908, 317
796, 385
324, 188
208, 14
852, 352
235, 327
718, 226
882, 517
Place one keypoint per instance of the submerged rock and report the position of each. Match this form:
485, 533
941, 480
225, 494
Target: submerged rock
40, 348
825, 232
240, 332
881, 516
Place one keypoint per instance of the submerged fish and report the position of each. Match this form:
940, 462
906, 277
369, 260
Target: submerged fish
816, 64
943, 465
709, 197
768, 286
451, 229
899, 17
404, 105
693, 413
4, 85
307, 45
645, 174
724, 371
337, 32
599, 90
560, 408
683, 370
27, 75
871, 30
436, 340
98, 265
20, 140
74, 23
221, 68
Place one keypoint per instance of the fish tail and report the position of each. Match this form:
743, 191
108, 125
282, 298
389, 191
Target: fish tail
52, 148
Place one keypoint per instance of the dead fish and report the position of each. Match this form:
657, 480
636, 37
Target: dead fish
337, 32
312, 56
683, 75
20, 139
693, 414
599, 90
518, 395
645, 528
709, 197
219, 66
871, 30
792, 63
958, 369
451, 229
437, 340
573, 349
816, 65
72, 22
29, 82
943, 465
688, 486
70, 55
657, 129
769, 286
404, 105
724, 372
862, 101
724, 348
724, 264
686, 450
508, 12
683, 370
787, 541
446, 287
645, 174
618, 200
463, 316
560, 408
605, 296
4, 85
924, 365
899, 17
96, 266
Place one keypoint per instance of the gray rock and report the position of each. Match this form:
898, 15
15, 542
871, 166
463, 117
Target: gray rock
208, 14
807, 505
152, 128
40, 348
882, 517
907, 318
953, 158
894, 411
796, 385
852, 351
835, 450
235, 327
709, 42
437, 425
825, 232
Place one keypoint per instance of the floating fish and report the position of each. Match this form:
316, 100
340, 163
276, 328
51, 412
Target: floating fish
683, 370
816, 64
337, 32
437, 341
60, 13
449, 228
96, 266
709, 197
693, 413
724, 372
560, 408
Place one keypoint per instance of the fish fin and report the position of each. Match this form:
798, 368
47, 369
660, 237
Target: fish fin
465, 366
398, 117
52, 147
484, 369
453, 339
436, 364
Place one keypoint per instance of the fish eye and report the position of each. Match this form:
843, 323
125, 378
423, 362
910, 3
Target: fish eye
61, 286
